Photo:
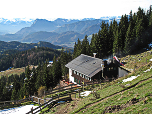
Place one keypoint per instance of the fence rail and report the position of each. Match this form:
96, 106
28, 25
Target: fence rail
48, 103
74, 86
13, 102
53, 99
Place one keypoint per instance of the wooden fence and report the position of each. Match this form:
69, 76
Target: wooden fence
71, 88
13, 102
55, 99
75, 86
49, 104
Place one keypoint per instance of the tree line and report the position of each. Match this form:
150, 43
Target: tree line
131, 34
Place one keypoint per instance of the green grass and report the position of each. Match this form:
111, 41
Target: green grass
140, 91
139, 88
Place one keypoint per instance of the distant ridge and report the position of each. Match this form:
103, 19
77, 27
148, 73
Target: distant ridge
59, 32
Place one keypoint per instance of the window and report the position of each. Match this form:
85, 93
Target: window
107, 69
80, 74
86, 77
77, 73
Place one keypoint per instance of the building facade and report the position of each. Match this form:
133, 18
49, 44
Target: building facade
86, 68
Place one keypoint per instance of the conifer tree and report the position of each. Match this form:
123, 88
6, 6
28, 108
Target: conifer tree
78, 48
150, 20
93, 44
14, 94
102, 41
85, 46
28, 80
38, 82
111, 39
54, 71
129, 40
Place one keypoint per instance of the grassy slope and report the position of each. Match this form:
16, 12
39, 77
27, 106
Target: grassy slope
118, 94
17, 71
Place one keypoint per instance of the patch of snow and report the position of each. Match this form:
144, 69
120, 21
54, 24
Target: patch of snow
148, 69
18, 110
85, 93
130, 78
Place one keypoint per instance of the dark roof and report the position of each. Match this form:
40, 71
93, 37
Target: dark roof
86, 65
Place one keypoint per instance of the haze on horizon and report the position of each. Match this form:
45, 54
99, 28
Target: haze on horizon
69, 9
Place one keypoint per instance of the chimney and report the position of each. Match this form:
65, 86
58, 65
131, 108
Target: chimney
94, 54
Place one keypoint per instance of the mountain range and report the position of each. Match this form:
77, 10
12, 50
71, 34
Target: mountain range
59, 32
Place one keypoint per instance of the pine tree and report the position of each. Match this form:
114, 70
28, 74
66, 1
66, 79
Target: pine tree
14, 94
93, 44
116, 43
150, 20
28, 80
85, 46
123, 26
102, 42
77, 48
54, 71
129, 40
111, 39
39, 79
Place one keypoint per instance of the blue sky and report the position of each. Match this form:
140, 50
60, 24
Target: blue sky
69, 9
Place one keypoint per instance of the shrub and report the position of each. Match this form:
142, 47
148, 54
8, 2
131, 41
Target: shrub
96, 95
41, 91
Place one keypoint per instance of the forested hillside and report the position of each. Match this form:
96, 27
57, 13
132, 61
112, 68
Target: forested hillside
32, 56
132, 34
24, 46
33, 80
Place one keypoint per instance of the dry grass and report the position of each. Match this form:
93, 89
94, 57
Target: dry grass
17, 71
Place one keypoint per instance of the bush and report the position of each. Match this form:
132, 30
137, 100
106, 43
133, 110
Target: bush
41, 91
96, 95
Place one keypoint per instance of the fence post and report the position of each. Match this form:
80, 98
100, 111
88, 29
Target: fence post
38, 100
32, 98
70, 95
32, 110
75, 94
52, 97
83, 86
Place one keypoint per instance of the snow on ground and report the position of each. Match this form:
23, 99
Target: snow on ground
18, 110
133, 77
130, 78
85, 93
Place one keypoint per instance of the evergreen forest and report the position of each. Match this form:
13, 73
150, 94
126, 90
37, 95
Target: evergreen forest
131, 34
16, 87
